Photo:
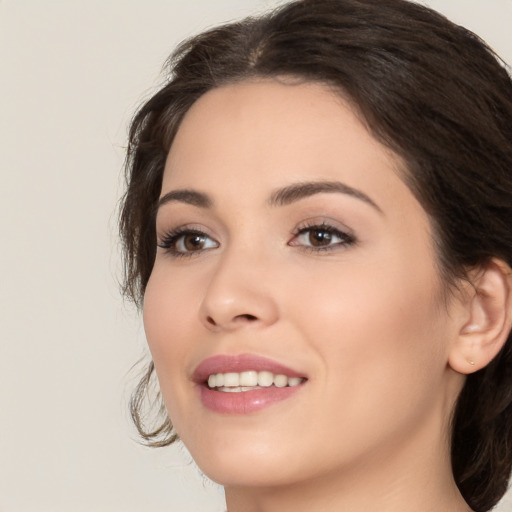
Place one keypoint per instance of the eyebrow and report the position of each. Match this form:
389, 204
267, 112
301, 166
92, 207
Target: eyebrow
290, 194
187, 196
280, 197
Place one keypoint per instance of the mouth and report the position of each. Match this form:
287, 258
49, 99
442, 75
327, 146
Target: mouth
245, 383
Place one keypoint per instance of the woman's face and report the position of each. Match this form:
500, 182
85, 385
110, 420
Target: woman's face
289, 245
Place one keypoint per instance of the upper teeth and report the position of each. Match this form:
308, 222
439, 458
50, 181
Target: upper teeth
250, 379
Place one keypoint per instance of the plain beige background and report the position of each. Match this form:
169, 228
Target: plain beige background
71, 75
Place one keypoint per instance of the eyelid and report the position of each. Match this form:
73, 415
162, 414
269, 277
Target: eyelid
345, 234
323, 221
171, 236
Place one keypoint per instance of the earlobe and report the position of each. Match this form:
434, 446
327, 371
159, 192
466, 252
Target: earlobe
488, 318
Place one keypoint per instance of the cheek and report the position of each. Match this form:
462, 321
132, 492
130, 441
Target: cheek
379, 333
351, 301
168, 319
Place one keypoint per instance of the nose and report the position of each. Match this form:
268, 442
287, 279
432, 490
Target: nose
239, 294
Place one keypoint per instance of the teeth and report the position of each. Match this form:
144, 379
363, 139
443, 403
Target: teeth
231, 380
280, 381
265, 379
245, 381
249, 379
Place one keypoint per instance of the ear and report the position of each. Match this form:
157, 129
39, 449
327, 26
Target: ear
487, 318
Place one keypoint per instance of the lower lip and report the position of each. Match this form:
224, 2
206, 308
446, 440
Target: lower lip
245, 402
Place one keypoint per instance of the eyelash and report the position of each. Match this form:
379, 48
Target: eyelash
171, 239
346, 239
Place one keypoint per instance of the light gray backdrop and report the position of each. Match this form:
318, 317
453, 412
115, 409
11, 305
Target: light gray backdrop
71, 75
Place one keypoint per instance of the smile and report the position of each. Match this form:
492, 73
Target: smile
245, 383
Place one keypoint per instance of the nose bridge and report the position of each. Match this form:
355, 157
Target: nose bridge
239, 291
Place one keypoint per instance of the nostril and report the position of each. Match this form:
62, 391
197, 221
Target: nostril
238, 318
251, 318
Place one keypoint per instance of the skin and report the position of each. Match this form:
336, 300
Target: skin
364, 319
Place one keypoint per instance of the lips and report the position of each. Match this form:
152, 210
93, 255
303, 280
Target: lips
235, 396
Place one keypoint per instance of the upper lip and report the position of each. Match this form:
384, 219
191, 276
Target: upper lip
240, 363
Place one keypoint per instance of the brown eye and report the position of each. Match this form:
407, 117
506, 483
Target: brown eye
187, 242
192, 242
319, 237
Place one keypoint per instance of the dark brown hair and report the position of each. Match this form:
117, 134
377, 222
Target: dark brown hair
428, 89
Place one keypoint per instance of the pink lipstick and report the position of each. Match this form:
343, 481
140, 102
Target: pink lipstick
244, 383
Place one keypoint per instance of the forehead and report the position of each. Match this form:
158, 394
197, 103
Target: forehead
267, 133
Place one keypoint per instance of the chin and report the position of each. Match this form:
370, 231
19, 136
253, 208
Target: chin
247, 465
243, 474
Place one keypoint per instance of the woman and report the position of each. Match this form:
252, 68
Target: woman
318, 224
